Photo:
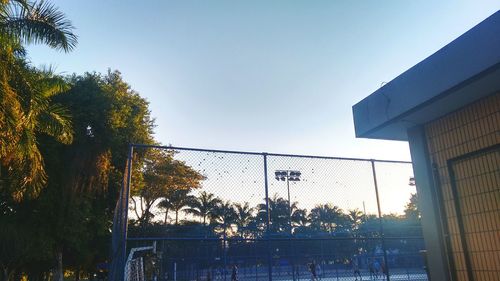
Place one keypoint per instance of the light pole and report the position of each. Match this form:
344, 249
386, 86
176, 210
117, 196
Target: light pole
288, 176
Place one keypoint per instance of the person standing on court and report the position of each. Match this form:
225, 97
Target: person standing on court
355, 268
376, 267
234, 273
312, 269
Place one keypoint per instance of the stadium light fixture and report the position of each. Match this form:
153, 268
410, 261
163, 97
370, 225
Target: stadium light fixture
412, 181
288, 176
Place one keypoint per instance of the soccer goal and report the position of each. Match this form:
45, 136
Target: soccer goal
135, 265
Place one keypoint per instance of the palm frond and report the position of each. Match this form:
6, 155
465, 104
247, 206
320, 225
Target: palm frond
55, 122
164, 204
193, 212
27, 168
22, 3
40, 23
53, 85
10, 116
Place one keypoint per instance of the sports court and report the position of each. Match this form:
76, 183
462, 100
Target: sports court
265, 216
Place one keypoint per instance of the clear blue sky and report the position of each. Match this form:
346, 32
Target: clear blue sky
276, 76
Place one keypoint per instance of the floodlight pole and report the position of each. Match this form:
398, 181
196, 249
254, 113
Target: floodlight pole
290, 222
286, 175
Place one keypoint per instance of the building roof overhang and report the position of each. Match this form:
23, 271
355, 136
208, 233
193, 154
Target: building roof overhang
460, 73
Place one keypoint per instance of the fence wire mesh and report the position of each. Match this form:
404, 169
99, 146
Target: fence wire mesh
222, 215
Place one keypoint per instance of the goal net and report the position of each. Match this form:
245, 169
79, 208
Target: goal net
134, 270
135, 266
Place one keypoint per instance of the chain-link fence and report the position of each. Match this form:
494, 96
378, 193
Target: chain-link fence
224, 215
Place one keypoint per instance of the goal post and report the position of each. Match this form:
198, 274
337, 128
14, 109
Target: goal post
134, 266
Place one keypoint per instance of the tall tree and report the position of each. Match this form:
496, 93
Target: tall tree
411, 209
299, 218
177, 199
84, 178
278, 212
42, 116
203, 206
160, 177
224, 216
326, 217
243, 218
23, 22
355, 218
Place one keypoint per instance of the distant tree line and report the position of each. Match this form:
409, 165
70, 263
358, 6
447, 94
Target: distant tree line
195, 213
166, 191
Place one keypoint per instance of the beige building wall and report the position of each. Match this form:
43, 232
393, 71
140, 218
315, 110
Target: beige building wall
464, 148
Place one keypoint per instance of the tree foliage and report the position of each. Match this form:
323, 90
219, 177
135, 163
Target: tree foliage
73, 213
26, 107
199, 208
203, 206
411, 208
163, 178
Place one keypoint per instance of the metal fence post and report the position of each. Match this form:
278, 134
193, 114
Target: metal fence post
125, 215
268, 226
382, 235
224, 246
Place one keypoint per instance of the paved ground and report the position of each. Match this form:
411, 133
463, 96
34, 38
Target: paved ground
340, 276
366, 277
415, 274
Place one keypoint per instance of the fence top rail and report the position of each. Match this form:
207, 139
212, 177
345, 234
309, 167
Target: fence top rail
264, 239
137, 145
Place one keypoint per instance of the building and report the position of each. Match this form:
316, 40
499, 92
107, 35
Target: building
448, 108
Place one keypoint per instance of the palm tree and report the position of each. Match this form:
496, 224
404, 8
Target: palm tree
203, 206
355, 218
318, 217
326, 217
22, 21
176, 200
278, 213
223, 216
26, 109
25, 103
166, 206
244, 217
299, 218
39, 115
